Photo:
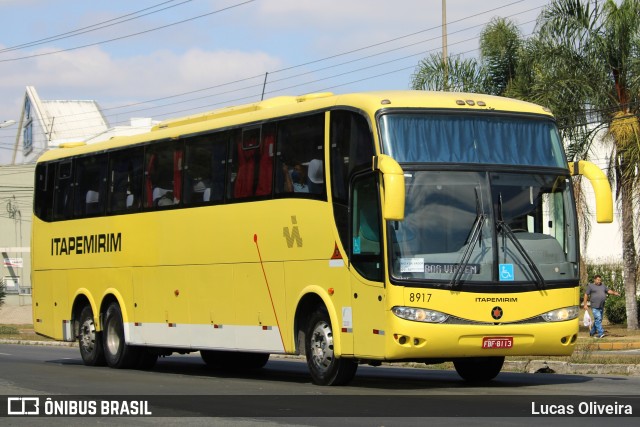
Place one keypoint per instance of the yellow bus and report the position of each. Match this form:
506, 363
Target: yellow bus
352, 229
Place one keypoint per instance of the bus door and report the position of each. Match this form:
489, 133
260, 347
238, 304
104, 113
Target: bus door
367, 267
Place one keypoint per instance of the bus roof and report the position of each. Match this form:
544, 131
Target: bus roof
283, 106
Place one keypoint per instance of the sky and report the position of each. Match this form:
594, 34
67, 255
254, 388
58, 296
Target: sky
170, 58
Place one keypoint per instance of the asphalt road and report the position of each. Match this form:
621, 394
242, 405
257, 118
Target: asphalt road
282, 393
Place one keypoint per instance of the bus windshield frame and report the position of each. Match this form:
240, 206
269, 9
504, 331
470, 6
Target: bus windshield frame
481, 212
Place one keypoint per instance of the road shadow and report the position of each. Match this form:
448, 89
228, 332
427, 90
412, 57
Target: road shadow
290, 370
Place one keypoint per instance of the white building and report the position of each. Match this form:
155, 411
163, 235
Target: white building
43, 125
46, 124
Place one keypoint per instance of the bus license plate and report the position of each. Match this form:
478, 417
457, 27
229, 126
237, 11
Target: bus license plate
497, 342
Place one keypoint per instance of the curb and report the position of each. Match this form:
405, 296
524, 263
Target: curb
556, 367
41, 343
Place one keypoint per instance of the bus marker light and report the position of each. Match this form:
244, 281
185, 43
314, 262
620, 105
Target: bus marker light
331, 291
176, 292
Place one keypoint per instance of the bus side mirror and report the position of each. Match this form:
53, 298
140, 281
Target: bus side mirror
601, 188
393, 187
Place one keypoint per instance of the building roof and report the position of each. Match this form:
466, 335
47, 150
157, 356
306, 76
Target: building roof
73, 120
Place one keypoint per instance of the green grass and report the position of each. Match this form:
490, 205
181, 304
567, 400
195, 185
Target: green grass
20, 332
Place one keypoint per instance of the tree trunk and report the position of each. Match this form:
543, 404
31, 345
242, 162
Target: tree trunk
629, 254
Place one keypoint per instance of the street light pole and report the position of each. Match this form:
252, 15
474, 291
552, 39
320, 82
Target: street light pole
444, 45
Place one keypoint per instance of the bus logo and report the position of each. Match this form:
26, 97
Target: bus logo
292, 236
496, 312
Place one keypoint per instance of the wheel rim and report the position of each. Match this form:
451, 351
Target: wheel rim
113, 338
88, 335
322, 346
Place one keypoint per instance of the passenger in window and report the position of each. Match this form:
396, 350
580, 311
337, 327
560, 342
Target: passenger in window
295, 179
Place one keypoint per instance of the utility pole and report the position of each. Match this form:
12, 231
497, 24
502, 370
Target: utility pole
445, 61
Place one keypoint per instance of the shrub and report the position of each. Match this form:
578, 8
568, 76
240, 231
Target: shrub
615, 309
8, 330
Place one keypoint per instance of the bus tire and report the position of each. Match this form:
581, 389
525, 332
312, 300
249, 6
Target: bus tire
477, 369
324, 367
89, 340
117, 352
234, 360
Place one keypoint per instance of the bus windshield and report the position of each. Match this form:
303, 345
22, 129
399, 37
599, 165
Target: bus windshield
485, 226
471, 138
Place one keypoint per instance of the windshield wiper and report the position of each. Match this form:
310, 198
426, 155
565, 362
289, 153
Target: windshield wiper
504, 227
474, 237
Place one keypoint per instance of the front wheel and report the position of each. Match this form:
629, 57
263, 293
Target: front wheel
324, 366
479, 368
90, 341
117, 352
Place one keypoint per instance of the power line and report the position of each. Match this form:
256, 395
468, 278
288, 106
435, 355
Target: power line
129, 35
259, 84
94, 27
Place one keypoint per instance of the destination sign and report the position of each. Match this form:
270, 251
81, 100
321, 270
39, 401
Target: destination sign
445, 268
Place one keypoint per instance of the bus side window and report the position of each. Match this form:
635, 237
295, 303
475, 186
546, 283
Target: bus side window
264, 173
252, 154
63, 191
247, 150
205, 161
90, 186
300, 154
125, 180
163, 176
43, 201
366, 245
351, 150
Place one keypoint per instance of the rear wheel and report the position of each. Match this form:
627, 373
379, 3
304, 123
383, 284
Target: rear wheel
117, 352
324, 366
234, 360
479, 368
90, 341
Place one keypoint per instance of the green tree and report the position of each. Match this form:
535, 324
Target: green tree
584, 63
588, 54
461, 75
500, 46
500, 43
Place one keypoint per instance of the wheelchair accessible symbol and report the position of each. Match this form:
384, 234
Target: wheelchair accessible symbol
506, 272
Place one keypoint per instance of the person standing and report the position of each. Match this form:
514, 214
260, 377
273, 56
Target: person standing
597, 293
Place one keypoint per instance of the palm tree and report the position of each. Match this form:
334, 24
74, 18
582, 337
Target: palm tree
500, 43
586, 63
462, 75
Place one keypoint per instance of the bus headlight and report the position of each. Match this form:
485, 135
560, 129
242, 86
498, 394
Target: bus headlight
562, 314
419, 314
